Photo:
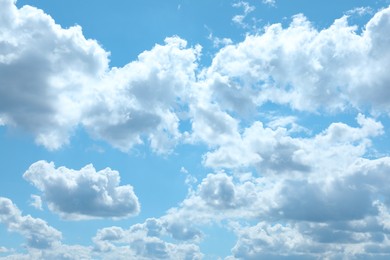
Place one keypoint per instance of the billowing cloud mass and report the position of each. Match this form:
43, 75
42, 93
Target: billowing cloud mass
142, 241
36, 231
83, 194
46, 99
309, 69
284, 188
72, 85
148, 98
144, 98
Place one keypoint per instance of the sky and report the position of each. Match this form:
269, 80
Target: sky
194, 129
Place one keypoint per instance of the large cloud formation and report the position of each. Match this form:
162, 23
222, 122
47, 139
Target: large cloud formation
73, 86
44, 73
83, 194
148, 99
308, 195
309, 69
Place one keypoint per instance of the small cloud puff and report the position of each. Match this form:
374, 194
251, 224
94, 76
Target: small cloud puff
83, 194
37, 232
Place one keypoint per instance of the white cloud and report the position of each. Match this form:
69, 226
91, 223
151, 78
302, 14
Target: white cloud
360, 11
45, 100
308, 241
269, 2
315, 196
83, 194
36, 202
218, 42
247, 9
275, 151
60, 252
329, 208
149, 98
142, 99
324, 214
3, 249
143, 242
311, 69
74, 86
36, 231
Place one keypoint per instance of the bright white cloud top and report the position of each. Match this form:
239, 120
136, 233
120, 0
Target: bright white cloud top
83, 194
269, 143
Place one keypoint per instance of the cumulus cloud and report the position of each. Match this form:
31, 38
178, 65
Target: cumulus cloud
143, 99
275, 151
312, 69
142, 241
312, 196
335, 203
83, 194
308, 241
148, 99
45, 100
74, 86
37, 232
308, 216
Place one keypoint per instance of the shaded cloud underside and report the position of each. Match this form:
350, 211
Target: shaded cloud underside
315, 196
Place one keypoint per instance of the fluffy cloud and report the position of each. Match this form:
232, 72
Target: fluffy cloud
144, 98
317, 196
300, 216
308, 241
149, 98
311, 69
335, 203
83, 194
142, 241
37, 232
274, 151
74, 86
45, 100
329, 166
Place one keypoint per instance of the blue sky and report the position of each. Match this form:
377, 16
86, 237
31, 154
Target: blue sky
194, 129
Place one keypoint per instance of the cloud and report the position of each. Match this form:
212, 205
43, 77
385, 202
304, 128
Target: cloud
83, 194
311, 69
60, 252
307, 241
3, 249
143, 99
37, 232
336, 205
36, 202
313, 196
247, 8
143, 242
275, 151
360, 11
73, 85
148, 99
324, 214
269, 2
44, 100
